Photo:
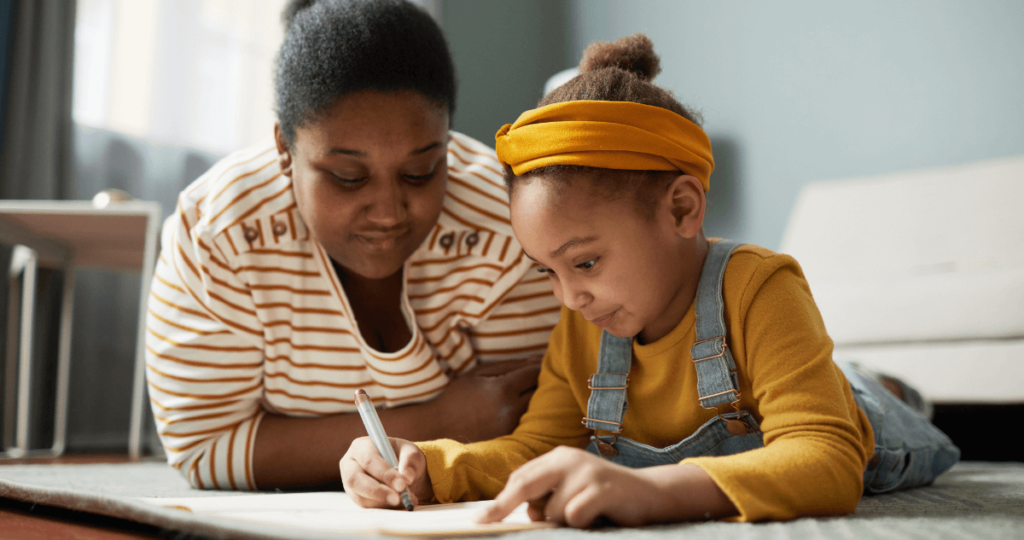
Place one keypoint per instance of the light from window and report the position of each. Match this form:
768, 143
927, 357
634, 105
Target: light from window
192, 72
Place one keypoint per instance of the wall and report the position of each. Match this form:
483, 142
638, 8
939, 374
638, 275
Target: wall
503, 52
795, 91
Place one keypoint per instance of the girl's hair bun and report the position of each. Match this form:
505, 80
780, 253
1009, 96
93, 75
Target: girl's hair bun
292, 9
634, 54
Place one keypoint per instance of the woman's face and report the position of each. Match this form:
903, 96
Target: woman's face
369, 178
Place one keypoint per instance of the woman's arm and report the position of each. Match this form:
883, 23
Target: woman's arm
206, 381
305, 451
205, 377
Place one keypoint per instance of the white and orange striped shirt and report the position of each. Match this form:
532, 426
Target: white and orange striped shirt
247, 315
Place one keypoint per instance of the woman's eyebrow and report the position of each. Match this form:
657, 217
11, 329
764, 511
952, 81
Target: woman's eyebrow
426, 148
357, 153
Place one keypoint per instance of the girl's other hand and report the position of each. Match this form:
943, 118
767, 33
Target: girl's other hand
575, 487
372, 483
572, 486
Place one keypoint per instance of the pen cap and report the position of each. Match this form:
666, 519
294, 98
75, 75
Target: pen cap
374, 428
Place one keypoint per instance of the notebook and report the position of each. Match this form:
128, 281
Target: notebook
332, 511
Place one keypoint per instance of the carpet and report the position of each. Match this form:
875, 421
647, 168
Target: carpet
974, 500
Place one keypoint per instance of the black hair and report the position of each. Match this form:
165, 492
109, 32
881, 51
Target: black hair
622, 70
333, 48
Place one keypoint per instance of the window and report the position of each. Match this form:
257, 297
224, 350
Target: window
193, 72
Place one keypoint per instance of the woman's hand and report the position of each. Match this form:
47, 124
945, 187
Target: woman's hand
487, 402
372, 483
575, 487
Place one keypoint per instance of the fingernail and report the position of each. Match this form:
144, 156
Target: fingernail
393, 499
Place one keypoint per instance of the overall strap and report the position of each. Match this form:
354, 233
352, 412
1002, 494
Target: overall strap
717, 383
607, 401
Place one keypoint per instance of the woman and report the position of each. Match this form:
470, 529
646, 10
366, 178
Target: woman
367, 247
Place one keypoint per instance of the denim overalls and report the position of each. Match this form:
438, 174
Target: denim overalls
909, 450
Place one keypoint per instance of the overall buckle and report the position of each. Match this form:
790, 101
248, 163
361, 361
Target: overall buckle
725, 346
590, 383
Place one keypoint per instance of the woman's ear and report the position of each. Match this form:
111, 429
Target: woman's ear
685, 197
284, 154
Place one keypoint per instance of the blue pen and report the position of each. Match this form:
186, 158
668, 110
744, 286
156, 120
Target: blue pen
379, 438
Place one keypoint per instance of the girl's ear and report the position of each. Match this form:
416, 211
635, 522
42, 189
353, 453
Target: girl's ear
685, 197
284, 153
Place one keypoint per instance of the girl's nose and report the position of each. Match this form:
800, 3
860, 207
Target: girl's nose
574, 297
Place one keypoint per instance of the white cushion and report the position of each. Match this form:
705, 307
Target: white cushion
959, 372
918, 256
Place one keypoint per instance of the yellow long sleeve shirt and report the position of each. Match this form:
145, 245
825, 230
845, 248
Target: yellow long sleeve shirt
817, 440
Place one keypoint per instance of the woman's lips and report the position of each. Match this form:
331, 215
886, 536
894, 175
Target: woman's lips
381, 241
605, 321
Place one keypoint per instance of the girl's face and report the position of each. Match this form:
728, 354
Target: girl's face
369, 178
625, 273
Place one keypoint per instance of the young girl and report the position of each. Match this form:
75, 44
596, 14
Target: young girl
696, 373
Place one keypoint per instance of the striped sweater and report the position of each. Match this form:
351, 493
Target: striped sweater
247, 314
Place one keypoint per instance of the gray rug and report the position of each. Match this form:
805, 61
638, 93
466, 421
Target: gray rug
973, 500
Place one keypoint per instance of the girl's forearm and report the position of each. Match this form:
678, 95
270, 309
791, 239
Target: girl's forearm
685, 492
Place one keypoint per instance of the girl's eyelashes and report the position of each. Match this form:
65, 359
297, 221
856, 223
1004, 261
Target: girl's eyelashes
584, 266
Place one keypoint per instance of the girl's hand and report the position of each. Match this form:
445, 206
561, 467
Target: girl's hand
371, 483
572, 486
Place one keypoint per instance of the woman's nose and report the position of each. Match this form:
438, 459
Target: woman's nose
387, 205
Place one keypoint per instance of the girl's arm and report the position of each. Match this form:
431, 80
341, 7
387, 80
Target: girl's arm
572, 486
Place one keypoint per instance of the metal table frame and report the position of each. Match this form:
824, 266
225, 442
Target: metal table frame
34, 250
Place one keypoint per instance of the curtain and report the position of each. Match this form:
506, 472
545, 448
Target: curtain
37, 150
35, 161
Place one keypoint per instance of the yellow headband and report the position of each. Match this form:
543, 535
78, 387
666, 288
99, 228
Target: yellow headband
606, 134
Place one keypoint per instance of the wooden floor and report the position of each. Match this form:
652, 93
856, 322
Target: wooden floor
27, 521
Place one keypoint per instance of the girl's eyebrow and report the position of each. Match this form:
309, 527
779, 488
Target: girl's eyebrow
573, 242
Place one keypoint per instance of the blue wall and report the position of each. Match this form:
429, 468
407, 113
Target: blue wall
795, 91
503, 52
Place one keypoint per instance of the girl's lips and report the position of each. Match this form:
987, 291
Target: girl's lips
605, 320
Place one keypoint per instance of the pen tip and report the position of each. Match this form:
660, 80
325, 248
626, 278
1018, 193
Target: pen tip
407, 500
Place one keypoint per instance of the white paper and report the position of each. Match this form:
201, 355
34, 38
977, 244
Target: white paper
334, 511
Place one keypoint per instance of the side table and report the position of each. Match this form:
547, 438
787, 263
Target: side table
68, 235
